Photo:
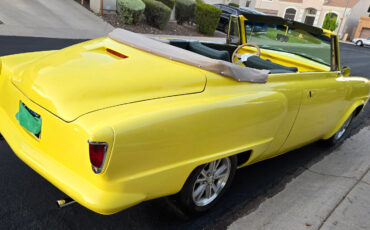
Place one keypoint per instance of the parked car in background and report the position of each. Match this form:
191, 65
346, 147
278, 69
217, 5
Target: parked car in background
361, 41
227, 11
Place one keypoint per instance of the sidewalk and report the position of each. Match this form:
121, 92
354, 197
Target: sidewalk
332, 194
50, 18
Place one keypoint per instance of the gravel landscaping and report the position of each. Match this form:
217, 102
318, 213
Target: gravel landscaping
172, 28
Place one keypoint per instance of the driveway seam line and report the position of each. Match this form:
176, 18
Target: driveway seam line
365, 182
330, 175
341, 201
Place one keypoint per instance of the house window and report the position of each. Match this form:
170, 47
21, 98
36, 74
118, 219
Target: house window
334, 15
310, 16
290, 14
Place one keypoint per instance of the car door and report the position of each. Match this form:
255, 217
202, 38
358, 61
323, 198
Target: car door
323, 104
291, 87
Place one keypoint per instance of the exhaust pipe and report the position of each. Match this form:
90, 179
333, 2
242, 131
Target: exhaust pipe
65, 202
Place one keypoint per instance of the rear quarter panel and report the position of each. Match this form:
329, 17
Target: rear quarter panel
158, 143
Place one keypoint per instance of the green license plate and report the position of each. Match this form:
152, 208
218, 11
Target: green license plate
29, 120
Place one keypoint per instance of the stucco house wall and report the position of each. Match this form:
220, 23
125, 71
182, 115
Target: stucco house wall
111, 4
322, 7
108, 5
353, 19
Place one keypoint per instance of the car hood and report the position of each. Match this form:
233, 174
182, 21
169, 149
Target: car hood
102, 73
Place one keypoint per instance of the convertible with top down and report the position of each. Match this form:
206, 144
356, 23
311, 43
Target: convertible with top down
119, 120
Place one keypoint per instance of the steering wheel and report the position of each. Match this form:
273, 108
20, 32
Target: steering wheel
244, 57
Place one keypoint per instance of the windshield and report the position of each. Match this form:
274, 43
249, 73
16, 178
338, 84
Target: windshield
295, 41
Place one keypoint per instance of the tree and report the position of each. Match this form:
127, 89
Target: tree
330, 22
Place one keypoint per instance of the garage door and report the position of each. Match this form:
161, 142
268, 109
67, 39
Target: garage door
365, 33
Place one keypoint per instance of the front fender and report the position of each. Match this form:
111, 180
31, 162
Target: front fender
343, 119
358, 95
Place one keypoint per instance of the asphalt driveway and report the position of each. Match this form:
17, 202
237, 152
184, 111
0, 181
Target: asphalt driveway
50, 18
28, 201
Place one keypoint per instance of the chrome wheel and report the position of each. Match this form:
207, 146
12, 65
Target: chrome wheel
210, 181
343, 129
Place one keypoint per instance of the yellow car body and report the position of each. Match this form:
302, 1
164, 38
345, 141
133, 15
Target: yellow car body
160, 118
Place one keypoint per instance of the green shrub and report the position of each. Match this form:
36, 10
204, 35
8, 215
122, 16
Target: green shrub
130, 11
169, 3
234, 4
184, 11
207, 18
330, 22
157, 14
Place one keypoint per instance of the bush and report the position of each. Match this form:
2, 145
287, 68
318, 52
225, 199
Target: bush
207, 18
130, 11
184, 11
157, 14
330, 22
234, 4
169, 3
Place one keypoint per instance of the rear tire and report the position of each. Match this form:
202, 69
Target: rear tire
359, 43
1, 137
206, 185
342, 133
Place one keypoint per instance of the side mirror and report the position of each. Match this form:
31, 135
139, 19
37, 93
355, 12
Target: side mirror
346, 71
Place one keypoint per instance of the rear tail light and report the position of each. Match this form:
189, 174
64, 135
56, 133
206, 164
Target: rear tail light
97, 151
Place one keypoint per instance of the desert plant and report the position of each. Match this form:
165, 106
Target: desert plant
330, 22
207, 18
169, 3
234, 4
156, 13
131, 11
184, 11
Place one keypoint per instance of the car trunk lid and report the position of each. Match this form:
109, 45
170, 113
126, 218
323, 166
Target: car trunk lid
103, 73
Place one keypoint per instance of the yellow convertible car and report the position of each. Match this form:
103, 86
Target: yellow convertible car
119, 120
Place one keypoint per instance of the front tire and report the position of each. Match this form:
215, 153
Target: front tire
206, 185
359, 43
342, 133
